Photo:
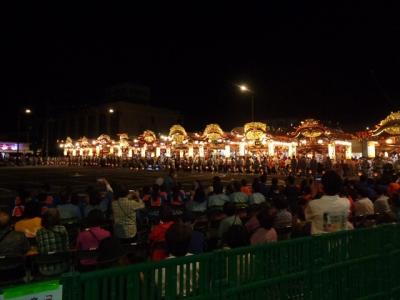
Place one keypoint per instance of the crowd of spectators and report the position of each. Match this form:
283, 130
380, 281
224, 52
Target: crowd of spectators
47, 233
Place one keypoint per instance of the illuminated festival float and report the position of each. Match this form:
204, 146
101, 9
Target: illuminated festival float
315, 139
384, 140
253, 139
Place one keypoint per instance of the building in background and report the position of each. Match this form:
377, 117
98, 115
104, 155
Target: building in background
112, 118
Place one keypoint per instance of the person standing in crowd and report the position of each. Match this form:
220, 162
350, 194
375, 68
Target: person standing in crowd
68, 210
263, 185
157, 234
330, 212
292, 194
238, 197
31, 221
231, 219
283, 217
363, 206
198, 199
124, 209
11, 243
90, 238
256, 197
245, 188
217, 199
265, 233
53, 237
381, 204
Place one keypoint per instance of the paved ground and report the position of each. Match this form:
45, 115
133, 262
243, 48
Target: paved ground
79, 178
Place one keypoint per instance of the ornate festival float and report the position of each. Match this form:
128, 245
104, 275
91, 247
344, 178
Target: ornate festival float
384, 140
315, 139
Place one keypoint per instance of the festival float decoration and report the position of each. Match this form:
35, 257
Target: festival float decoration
384, 140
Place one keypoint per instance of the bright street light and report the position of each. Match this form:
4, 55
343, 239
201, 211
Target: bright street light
243, 88
28, 111
111, 110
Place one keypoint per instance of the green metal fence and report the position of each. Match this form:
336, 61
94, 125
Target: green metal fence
357, 264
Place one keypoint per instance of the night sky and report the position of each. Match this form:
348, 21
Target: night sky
337, 63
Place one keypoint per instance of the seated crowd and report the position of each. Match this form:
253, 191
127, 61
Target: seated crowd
46, 234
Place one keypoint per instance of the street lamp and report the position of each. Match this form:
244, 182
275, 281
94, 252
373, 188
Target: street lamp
245, 89
111, 110
26, 111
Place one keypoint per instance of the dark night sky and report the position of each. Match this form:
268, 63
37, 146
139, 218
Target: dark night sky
340, 63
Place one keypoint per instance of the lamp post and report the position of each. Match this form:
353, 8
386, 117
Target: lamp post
27, 112
244, 89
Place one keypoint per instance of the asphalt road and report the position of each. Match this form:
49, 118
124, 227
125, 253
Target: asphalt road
80, 177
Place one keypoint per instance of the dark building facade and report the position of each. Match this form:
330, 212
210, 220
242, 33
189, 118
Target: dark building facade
113, 118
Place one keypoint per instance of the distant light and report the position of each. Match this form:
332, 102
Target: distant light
367, 128
243, 88
320, 141
111, 110
389, 141
28, 111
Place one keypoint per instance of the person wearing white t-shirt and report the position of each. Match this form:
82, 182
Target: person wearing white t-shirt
330, 212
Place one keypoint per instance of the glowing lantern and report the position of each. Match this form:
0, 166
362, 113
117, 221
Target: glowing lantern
180, 153
73, 152
371, 149
271, 149
119, 152
331, 151
97, 150
90, 152
168, 152
190, 151
242, 149
158, 152
143, 152
130, 153
201, 151
227, 151
65, 152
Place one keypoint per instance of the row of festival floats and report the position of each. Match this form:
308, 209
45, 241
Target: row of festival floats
311, 138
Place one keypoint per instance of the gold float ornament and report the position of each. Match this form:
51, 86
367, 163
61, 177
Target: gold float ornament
83, 141
390, 125
177, 133
149, 136
310, 128
255, 131
104, 139
68, 143
213, 132
123, 140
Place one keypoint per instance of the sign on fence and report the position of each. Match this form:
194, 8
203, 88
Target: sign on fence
49, 290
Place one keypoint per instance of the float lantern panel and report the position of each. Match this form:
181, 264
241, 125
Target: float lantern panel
180, 153
73, 152
331, 151
97, 150
168, 152
112, 150
349, 152
130, 153
371, 149
271, 149
65, 152
143, 152
119, 153
190, 151
90, 152
227, 151
201, 151
158, 152
242, 149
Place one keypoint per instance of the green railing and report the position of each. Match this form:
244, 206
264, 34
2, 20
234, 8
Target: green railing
357, 264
